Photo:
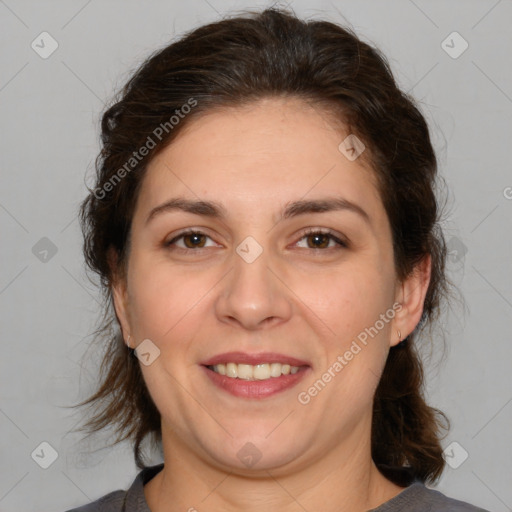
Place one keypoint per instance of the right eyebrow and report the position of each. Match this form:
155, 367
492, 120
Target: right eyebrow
206, 208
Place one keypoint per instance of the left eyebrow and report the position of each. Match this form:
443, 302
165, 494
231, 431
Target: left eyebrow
302, 207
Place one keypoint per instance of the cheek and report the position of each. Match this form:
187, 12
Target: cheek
346, 300
349, 303
164, 299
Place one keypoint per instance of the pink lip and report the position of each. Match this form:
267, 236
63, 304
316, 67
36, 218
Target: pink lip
256, 388
253, 359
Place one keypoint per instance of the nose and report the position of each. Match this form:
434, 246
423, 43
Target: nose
254, 295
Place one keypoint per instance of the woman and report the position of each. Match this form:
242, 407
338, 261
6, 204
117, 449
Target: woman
265, 227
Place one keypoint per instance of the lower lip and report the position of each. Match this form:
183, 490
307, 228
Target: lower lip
256, 388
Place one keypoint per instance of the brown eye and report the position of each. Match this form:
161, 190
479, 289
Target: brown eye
189, 240
318, 241
194, 240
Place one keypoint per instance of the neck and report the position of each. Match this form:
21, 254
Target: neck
343, 480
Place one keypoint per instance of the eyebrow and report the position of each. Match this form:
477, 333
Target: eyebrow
293, 209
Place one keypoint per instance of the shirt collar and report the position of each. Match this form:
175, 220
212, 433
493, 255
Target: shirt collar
135, 500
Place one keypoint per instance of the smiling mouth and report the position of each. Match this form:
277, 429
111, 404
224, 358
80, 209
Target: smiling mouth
255, 381
262, 371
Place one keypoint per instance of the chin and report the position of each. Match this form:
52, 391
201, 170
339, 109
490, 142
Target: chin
249, 455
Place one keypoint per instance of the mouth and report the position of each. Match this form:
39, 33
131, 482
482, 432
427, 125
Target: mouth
254, 359
261, 371
255, 375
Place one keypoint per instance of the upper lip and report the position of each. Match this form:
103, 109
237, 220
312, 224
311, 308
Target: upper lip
254, 359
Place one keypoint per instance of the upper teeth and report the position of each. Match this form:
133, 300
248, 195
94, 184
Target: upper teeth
256, 372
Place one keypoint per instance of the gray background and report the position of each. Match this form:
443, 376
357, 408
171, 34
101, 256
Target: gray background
49, 113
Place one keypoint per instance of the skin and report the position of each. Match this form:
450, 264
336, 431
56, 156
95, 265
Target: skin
295, 299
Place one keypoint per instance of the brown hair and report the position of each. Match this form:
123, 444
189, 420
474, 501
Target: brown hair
233, 62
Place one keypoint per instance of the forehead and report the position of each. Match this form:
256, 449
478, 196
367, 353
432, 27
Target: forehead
261, 154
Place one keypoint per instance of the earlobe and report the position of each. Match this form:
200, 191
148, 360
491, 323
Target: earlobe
119, 294
119, 297
411, 296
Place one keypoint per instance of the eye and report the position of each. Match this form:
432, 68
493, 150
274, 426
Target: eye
322, 239
190, 240
315, 239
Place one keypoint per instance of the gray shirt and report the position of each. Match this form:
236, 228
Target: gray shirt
414, 498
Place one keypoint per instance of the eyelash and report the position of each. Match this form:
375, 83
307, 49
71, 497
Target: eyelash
341, 244
309, 232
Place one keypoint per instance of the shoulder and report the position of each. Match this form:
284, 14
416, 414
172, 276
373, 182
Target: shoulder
132, 500
112, 502
420, 498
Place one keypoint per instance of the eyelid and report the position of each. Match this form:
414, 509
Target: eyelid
185, 232
340, 239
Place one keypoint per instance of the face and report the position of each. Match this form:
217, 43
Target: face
253, 233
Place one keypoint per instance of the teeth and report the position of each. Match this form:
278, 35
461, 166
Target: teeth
257, 372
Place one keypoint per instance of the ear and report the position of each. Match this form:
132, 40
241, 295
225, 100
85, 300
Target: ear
411, 295
119, 293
